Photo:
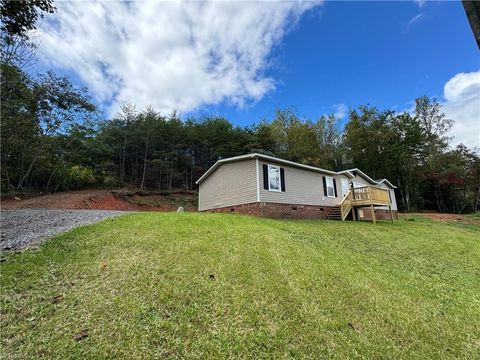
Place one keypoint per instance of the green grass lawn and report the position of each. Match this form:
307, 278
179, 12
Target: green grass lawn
201, 286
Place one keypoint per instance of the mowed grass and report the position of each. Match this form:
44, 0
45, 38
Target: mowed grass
208, 286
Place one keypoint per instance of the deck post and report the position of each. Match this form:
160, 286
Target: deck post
352, 197
391, 215
373, 214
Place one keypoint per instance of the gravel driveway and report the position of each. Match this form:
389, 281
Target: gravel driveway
27, 227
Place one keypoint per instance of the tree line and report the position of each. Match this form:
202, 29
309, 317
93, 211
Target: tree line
54, 138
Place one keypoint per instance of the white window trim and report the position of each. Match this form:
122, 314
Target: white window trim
279, 178
333, 186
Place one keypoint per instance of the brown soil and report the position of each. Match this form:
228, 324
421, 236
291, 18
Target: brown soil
106, 200
435, 216
443, 217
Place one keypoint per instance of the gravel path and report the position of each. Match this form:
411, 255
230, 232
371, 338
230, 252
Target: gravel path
28, 227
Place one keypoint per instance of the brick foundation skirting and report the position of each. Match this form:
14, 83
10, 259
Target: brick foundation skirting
278, 211
380, 214
294, 211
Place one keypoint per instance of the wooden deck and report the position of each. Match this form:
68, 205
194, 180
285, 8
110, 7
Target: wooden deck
366, 196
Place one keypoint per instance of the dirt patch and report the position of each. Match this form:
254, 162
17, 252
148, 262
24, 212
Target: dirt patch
107, 200
443, 217
458, 218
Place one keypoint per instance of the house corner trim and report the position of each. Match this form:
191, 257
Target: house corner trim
258, 179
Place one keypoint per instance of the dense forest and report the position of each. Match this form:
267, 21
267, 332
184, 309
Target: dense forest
54, 138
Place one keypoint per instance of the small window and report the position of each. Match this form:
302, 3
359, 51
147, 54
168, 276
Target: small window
330, 188
273, 178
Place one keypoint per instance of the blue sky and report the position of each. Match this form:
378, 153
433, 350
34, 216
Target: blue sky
357, 53
244, 60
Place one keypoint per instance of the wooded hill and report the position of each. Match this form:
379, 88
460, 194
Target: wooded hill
54, 138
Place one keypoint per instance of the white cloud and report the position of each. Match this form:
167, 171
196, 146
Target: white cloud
420, 3
415, 19
171, 55
340, 110
462, 104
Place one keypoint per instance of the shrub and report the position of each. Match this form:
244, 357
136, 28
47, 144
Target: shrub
78, 177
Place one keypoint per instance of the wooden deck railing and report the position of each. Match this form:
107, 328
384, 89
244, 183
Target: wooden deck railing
363, 196
370, 195
346, 204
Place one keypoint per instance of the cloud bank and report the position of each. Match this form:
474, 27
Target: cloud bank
171, 55
462, 104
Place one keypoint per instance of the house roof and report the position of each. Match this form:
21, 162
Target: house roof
349, 173
386, 182
366, 177
263, 157
359, 172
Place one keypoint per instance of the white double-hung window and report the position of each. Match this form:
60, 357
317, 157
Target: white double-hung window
330, 186
274, 178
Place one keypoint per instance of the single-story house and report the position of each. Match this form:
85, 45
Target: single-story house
267, 186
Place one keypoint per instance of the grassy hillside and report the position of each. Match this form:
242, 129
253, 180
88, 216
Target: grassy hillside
227, 286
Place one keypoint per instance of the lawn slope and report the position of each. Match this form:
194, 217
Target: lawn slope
178, 285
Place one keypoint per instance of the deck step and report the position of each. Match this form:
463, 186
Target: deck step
334, 214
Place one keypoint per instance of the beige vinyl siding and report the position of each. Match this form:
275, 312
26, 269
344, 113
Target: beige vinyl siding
363, 182
392, 196
359, 181
301, 187
230, 184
